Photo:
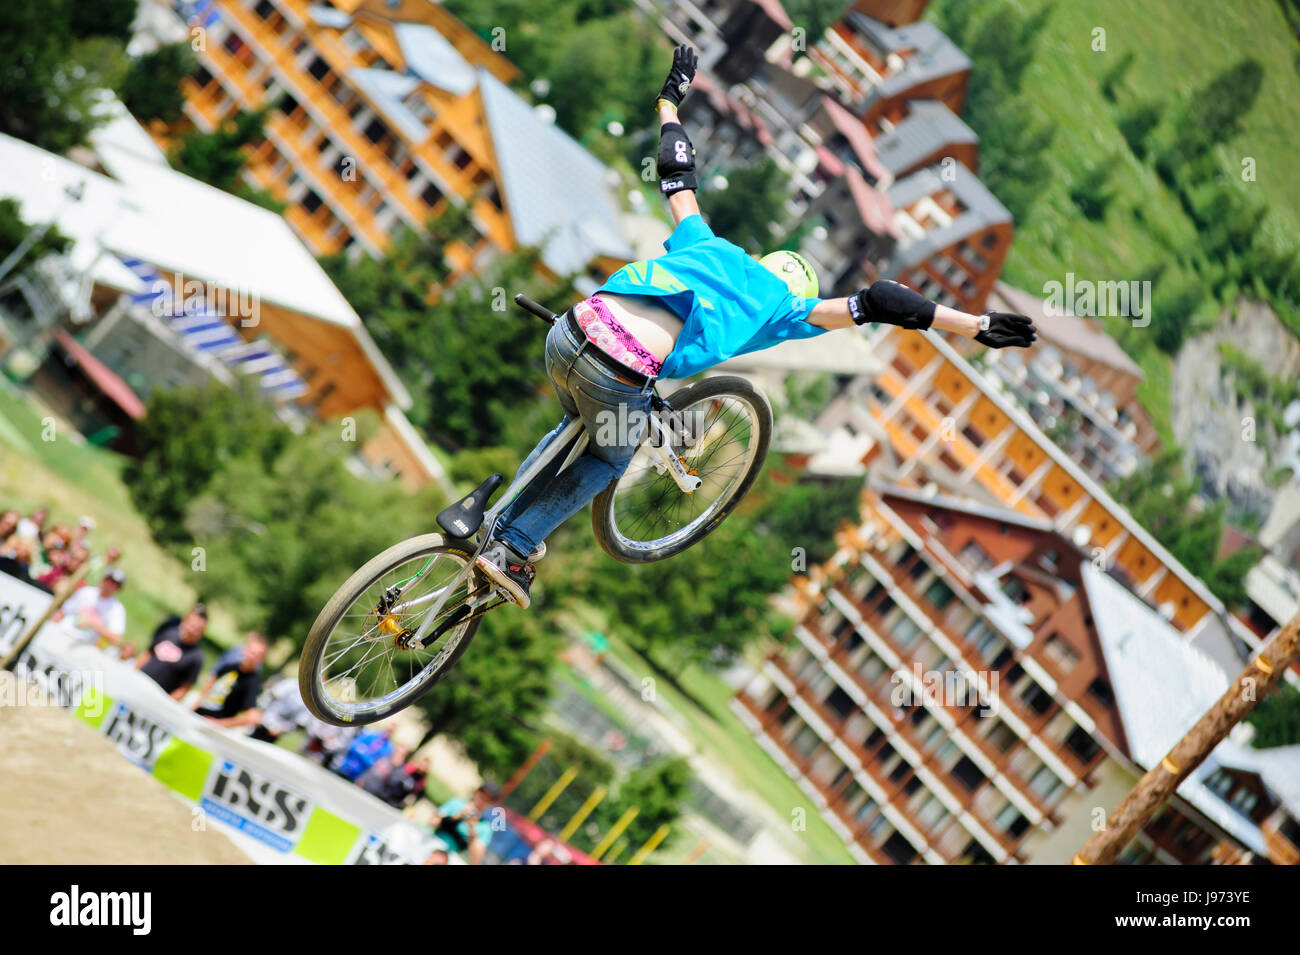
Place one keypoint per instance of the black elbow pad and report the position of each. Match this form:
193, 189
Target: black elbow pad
676, 160
893, 304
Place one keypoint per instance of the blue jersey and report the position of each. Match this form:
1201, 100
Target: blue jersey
729, 304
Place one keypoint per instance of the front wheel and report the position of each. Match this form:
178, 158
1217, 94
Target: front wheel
354, 667
720, 429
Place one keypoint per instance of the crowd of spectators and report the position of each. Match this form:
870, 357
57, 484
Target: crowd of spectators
48, 555
232, 695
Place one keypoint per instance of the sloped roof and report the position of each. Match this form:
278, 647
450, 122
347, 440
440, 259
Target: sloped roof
431, 56
873, 206
1066, 331
1278, 767
555, 191
981, 209
1162, 684
853, 130
388, 91
929, 125
927, 51
178, 224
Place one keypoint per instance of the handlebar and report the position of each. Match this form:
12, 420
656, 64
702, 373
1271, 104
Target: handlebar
541, 311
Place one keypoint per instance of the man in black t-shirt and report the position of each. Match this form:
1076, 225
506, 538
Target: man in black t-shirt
174, 659
229, 698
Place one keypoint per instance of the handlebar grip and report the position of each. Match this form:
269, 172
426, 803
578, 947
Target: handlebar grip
541, 311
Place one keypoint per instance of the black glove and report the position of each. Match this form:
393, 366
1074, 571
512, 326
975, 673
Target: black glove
676, 160
680, 76
1006, 329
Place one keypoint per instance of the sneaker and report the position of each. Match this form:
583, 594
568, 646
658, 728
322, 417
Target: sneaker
537, 554
510, 572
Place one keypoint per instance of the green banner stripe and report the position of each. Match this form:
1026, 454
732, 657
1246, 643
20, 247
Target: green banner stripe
327, 839
184, 768
94, 706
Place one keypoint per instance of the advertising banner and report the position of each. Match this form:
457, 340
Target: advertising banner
277, 806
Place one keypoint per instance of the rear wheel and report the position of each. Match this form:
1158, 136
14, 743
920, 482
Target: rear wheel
720, 429
354, 667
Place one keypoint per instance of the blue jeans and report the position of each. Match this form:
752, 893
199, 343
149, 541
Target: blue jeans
586, 388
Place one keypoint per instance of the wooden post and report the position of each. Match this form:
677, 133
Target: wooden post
650, 846
525, 768
1159, 783
50, 611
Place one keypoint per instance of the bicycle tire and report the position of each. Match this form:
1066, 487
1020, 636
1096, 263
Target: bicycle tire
603, 519
323, 706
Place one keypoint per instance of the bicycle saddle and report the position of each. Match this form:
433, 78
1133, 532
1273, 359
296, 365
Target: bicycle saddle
465, 517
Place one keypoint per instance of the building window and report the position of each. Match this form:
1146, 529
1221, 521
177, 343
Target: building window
1082, 745
311, 202
840, 703
264, 9
968, 774
1060, 653
1100, 691
1045, 783
375, 131
940, 594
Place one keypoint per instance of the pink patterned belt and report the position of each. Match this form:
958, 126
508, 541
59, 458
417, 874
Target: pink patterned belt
608, 334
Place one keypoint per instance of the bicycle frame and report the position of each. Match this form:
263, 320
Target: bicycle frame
573, 439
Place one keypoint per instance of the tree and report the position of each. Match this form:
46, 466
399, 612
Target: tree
742, 211
1277, 718
656, 792
187, 437
217, 157
58, 55
106, 18
152, 87
14, 231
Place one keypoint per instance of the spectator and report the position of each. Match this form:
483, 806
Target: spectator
128, 651
229, 698
8, 524
33, 527
99, 562
461, 825
326, 742
97, 615
84, 528
58, 569
174, 659
438, 857
396, 782
375, 779
16, 558
367, 749
282, 712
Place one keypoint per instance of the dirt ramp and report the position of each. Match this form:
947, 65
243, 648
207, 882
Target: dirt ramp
67, 796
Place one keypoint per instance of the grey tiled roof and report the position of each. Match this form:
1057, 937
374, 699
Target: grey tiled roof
388, 90
554, 190
933, 54
929, 125
982, 210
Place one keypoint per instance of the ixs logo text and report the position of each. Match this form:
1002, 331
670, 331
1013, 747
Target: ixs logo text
375, 850
74, 907
258, 806
138, 738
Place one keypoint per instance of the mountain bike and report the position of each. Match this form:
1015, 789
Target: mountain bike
397, 626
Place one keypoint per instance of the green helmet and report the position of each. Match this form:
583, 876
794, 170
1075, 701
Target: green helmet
792, 269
